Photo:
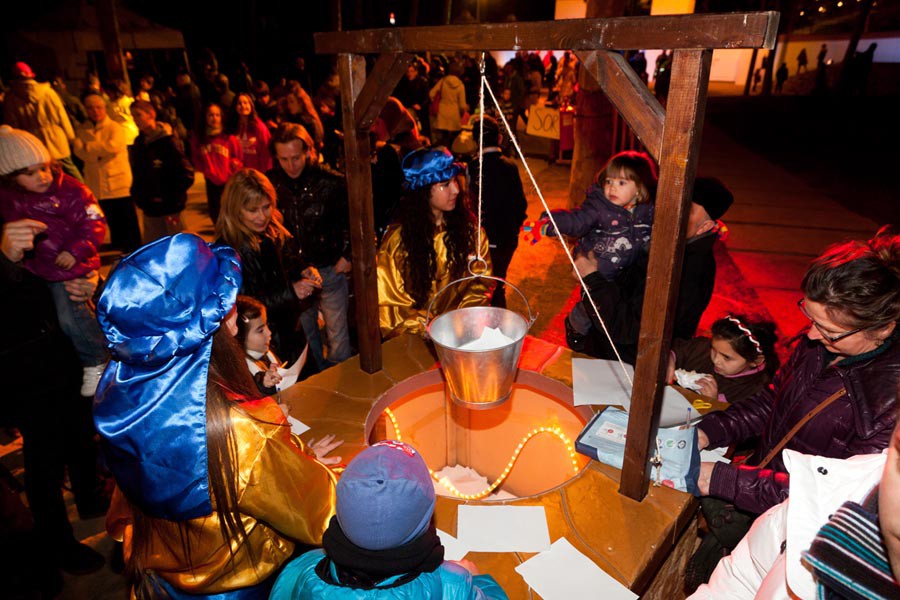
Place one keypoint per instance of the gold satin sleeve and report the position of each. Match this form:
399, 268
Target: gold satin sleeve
284, 495
396, 311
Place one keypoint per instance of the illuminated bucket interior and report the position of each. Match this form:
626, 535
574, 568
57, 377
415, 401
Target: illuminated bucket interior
420, 413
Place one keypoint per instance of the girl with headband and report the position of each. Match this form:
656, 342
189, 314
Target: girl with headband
738, 360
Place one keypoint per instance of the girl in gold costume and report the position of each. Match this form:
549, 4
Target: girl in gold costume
213, 493
429, 245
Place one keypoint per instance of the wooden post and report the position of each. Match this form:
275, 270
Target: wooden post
357, 152
112, 44
678, 164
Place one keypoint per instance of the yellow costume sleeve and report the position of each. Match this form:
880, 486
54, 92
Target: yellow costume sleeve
288, 489
396, 312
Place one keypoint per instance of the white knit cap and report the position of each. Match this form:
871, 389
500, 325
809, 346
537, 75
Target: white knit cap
19, 150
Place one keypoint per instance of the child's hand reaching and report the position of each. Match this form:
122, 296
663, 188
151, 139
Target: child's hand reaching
323, 447
708, 387
272, 378
65, 260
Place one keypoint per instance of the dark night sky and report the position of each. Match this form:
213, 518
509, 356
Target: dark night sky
268, 34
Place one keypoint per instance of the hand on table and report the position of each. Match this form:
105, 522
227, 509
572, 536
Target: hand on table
323, 447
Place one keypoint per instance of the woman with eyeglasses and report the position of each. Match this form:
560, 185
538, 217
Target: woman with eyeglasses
836, 396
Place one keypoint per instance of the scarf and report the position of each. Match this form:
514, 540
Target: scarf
848, 555
358, 568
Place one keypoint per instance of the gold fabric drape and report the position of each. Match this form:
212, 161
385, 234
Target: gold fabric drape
285, 494
396, 311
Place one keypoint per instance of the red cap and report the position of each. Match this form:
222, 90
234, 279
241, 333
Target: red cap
21, 70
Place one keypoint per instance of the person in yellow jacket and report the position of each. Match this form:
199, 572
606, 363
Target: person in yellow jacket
212, 492
430, 245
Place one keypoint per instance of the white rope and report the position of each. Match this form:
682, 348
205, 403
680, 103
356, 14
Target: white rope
480, 154
512, 136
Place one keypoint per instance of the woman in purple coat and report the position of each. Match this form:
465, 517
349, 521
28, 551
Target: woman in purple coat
847, 367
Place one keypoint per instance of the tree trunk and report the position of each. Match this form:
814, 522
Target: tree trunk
594, 117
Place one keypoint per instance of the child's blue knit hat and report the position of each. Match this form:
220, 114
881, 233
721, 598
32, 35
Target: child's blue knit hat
385, 497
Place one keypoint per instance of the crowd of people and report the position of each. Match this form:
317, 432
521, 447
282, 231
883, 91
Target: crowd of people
183, 327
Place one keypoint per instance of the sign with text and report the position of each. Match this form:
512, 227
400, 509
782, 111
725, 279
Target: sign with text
543, 122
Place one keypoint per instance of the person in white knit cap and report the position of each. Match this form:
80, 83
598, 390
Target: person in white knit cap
34, 187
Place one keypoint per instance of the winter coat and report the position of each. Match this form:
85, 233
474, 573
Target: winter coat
766, 563
452, 104
314, 206
503, 199
104, 149
75, 224
620, 301
861, 422
37, 108
162, 174
615, 235
268, 274
299, 581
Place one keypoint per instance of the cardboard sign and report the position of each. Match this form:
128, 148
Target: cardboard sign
543, 122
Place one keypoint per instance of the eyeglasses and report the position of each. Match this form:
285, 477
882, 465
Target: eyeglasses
801, 304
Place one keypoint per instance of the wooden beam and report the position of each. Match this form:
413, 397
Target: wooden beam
680, 149
629, 94
733, 30
380, 84
357, 155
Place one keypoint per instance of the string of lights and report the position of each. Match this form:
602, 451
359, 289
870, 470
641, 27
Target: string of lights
554, 430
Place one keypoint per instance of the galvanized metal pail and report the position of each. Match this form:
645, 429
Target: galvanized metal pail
478, 378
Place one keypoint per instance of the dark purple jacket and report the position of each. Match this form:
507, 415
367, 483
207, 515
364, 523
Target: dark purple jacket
616, 236
74, 222
859, 423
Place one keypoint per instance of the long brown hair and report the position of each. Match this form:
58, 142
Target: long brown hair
227, 373
246, 189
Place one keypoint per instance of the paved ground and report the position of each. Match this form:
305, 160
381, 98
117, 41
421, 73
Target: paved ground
782, 217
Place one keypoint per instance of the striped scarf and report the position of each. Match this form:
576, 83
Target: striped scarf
848, 555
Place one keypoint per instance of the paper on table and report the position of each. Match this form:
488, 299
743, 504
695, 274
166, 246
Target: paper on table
563, 572
503, 528
596, 381
298, 427
453, 548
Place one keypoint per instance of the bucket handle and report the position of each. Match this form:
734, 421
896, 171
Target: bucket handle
531, 317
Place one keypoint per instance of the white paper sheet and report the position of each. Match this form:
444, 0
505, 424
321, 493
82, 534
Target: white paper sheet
289, 375
298, 427
714, 455
563, 573
596, 381
503, 528
453, 548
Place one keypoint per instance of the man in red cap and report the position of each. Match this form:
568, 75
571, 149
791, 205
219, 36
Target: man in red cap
38, 109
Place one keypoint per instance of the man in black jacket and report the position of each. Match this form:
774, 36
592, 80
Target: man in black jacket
161, 174
313, 201
41, 399
503, 201
620, 301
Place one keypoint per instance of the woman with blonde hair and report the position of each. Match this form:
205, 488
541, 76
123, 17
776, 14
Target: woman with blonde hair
273, 271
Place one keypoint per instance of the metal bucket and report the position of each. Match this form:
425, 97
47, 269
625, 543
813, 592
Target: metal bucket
478, 379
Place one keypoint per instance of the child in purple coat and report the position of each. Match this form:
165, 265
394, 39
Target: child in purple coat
613, 223
32, 187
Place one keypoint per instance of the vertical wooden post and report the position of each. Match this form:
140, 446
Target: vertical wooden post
678, 164
357, 152
112, 44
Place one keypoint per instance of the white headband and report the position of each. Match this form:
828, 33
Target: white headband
746, 331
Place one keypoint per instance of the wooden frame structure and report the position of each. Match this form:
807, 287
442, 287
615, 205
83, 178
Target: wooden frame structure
671, 136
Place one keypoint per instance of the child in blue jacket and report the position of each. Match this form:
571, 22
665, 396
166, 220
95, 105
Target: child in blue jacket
382, 543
